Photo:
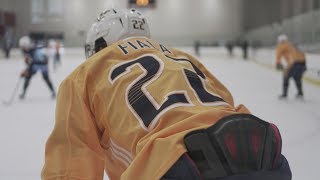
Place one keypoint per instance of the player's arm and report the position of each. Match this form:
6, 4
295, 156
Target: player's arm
279, 53
73, 150
45, 56
28, 61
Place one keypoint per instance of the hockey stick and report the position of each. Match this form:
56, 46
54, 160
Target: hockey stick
9, 102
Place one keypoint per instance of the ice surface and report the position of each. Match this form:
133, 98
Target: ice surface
25, 125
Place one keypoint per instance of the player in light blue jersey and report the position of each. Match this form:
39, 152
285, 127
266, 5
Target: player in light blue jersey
36, 60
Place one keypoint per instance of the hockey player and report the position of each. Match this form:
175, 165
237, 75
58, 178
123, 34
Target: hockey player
56, 55
36, 60
145, 111
295, 65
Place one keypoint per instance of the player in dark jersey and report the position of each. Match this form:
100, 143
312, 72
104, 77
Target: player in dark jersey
36, 60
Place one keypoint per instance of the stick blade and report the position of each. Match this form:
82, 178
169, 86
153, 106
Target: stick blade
6, 103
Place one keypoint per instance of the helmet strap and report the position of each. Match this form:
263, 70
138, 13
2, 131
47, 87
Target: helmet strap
99, 44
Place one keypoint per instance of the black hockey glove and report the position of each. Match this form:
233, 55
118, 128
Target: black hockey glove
238, 147
279, 67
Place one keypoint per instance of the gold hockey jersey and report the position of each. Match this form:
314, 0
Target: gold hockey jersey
126, 110
290, 53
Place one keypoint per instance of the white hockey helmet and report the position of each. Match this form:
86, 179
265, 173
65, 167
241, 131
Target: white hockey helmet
282, 38
113, 25
25, 42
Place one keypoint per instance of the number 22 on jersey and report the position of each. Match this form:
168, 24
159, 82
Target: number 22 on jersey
140, 101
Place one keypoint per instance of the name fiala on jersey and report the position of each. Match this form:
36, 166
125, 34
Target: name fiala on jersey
141, 44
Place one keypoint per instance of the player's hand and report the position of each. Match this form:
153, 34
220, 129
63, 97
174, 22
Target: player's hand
27, 60
279, 67
24, 73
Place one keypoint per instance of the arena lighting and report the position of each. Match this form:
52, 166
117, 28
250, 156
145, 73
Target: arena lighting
142, 2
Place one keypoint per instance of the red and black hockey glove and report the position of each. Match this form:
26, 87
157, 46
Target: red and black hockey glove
238, 147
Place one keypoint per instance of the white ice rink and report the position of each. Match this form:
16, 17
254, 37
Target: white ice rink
25, 125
